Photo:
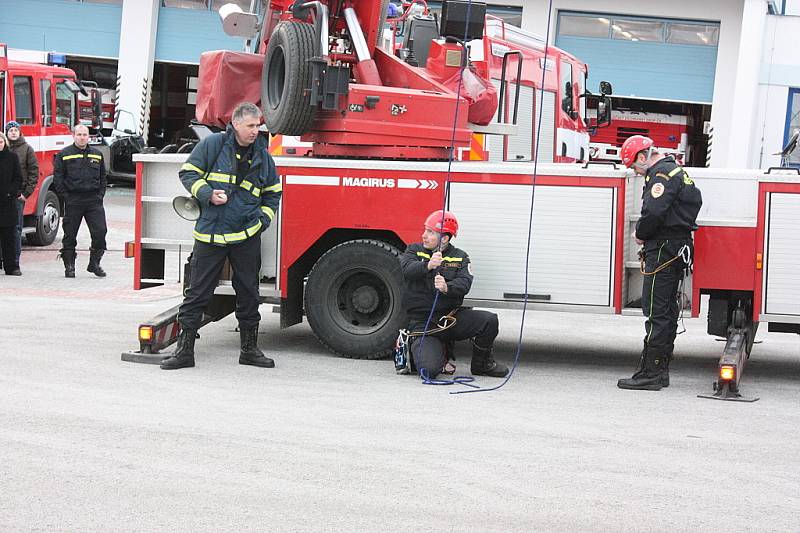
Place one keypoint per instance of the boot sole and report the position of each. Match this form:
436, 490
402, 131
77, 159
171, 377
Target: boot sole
189, 364
163, 367
653, 387
489, 374
270, 364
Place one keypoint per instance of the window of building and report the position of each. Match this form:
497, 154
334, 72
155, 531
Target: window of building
698, 34
186, 4
23, 99
510, 14
790, 7
46, 88
65, 104
793, 123
577, 26
637, 30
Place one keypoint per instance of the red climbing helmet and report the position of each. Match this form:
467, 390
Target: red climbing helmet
632, 146
442, 222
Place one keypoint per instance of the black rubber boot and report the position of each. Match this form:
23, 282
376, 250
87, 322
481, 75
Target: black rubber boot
94, 263
652, 375
250, 353
68, 256
183, 357
483, 364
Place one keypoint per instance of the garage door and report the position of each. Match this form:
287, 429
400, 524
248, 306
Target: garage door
663, 59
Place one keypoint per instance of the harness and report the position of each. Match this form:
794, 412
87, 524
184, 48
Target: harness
402, 348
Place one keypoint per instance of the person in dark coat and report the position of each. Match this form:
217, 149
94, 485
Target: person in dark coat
30, 173
10, 187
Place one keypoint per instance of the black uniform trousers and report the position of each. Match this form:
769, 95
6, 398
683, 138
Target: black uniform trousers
660, 294
207, 262
89, 207
429, 351
8, 236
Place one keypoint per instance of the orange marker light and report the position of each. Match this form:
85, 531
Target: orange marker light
130, 249
727, 373
759, 261
146, 333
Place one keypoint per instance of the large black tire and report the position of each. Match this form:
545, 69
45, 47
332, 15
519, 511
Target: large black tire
286, 79
47, 222
353, 299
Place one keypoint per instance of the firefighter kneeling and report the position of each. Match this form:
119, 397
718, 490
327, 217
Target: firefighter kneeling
435, 270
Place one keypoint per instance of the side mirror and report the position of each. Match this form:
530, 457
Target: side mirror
97, 109
566, 100
603, 112
605, 88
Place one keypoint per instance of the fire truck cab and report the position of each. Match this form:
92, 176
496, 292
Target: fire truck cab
43, 99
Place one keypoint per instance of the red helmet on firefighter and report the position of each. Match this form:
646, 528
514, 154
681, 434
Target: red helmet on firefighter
442, 222
632, 146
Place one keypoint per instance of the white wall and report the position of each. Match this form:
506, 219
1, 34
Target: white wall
736, 91
137, 46
780, 70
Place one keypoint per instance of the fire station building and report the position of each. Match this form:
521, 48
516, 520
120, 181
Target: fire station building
727, 69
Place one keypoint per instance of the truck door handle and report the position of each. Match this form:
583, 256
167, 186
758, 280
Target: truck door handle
521, 296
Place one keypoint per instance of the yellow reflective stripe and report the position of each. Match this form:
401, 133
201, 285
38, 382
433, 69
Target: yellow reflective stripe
246, 185
203, 237
197, 185
95, 156
278, 187
233, 237
218, 176
76, 156
219, 239
256, 192
675, 171
252, 230
238, 156
452, 258
423, 254
189, 166
268, 211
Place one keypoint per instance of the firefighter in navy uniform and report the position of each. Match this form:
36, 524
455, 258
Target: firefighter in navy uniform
79, 178
670, 204
432, 266
234, 179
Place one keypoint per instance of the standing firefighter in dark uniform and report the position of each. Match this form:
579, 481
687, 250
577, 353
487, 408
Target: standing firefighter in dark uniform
671, 202
79, 177
235, 181
433, 267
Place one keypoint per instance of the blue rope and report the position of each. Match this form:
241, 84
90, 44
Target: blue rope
530, 217
446, 197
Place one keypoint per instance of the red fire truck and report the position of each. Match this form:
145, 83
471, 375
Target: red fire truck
669, 132
332, 254
43, 99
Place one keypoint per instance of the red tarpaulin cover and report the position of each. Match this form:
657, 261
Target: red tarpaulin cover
226, 79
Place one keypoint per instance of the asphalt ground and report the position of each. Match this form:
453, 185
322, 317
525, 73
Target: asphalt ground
319, 443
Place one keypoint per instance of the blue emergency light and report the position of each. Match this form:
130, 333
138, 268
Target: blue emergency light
54, 58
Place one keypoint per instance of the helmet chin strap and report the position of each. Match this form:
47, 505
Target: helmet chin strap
644, 166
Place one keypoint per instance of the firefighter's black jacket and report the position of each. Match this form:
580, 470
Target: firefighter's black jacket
419, 288
671, 202
79, 171
253, 197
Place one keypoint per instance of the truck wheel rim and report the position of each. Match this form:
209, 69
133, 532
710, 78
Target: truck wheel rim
359, 301
50, 218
